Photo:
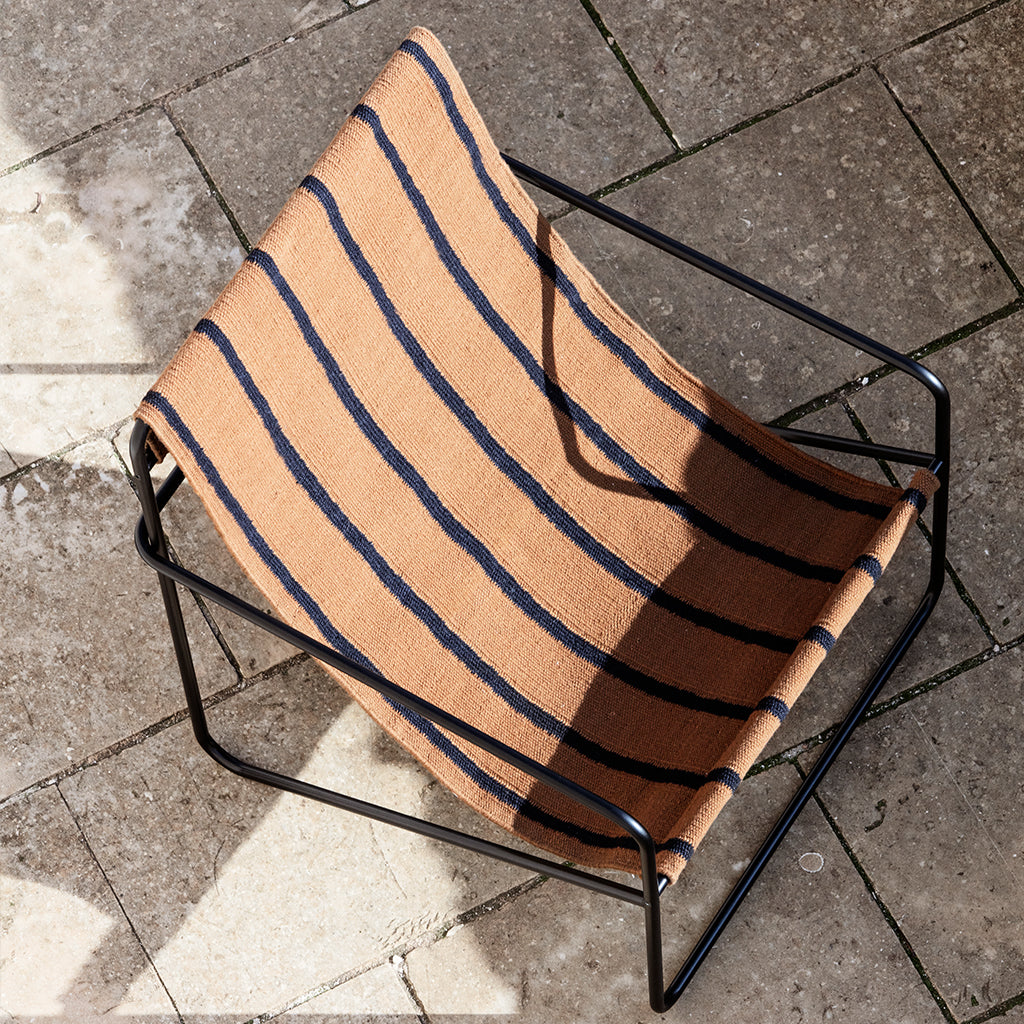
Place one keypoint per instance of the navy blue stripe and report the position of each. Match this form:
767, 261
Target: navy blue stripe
404, 593
453, 528
726, 776
916, 498
254, 538
344, 647
871, 565
821, 636
773, 706
605, 335
484, 780
680, 846
655, 487
600, 841
508, 465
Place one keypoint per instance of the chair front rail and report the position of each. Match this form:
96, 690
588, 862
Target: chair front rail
855, 446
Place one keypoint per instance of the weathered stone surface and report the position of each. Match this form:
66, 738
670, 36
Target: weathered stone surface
549, 89
709, 66
929, 798
250, 902
963, 89
65, 69
560, 953
247, 899
112, 249
833, 203
986, 534
67, 953
85, 653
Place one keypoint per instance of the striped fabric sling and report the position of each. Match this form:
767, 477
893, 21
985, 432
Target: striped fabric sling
437, 445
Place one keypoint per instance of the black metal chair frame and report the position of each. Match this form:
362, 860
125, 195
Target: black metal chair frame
152, 546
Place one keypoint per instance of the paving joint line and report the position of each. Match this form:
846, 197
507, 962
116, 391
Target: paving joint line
951, 182
401, 967
632, 177
887, 914
160, 100
82, 136
851, 387
396, 955
933, 33
211, 184
975, 325
964, 594
120, 905
933, 682
673, 158
207, 615
791, 754
631, 73
153, 729
105, 433
954, 577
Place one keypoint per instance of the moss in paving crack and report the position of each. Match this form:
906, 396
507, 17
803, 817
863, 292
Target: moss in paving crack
997, 1011
935, 681
606, 34
986, 320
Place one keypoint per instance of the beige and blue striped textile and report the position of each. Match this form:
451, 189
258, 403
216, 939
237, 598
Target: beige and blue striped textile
437, 445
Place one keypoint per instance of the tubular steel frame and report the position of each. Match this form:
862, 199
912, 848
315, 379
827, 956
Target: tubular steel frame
152, 546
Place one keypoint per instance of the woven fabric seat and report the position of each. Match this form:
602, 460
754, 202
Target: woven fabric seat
436, 444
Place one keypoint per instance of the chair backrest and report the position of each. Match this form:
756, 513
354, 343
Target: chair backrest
434, 441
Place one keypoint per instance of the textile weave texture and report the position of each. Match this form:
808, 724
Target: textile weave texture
437, 445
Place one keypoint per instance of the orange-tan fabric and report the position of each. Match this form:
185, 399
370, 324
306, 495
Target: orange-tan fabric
437, 445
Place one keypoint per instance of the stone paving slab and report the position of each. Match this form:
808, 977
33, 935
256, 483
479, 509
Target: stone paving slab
834, 203
247, 899
87, 657
253, 903
68, 952
709, 66
984, 374
935, 814
112, 248
66, 69
560, 953
546, 84
955, 87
